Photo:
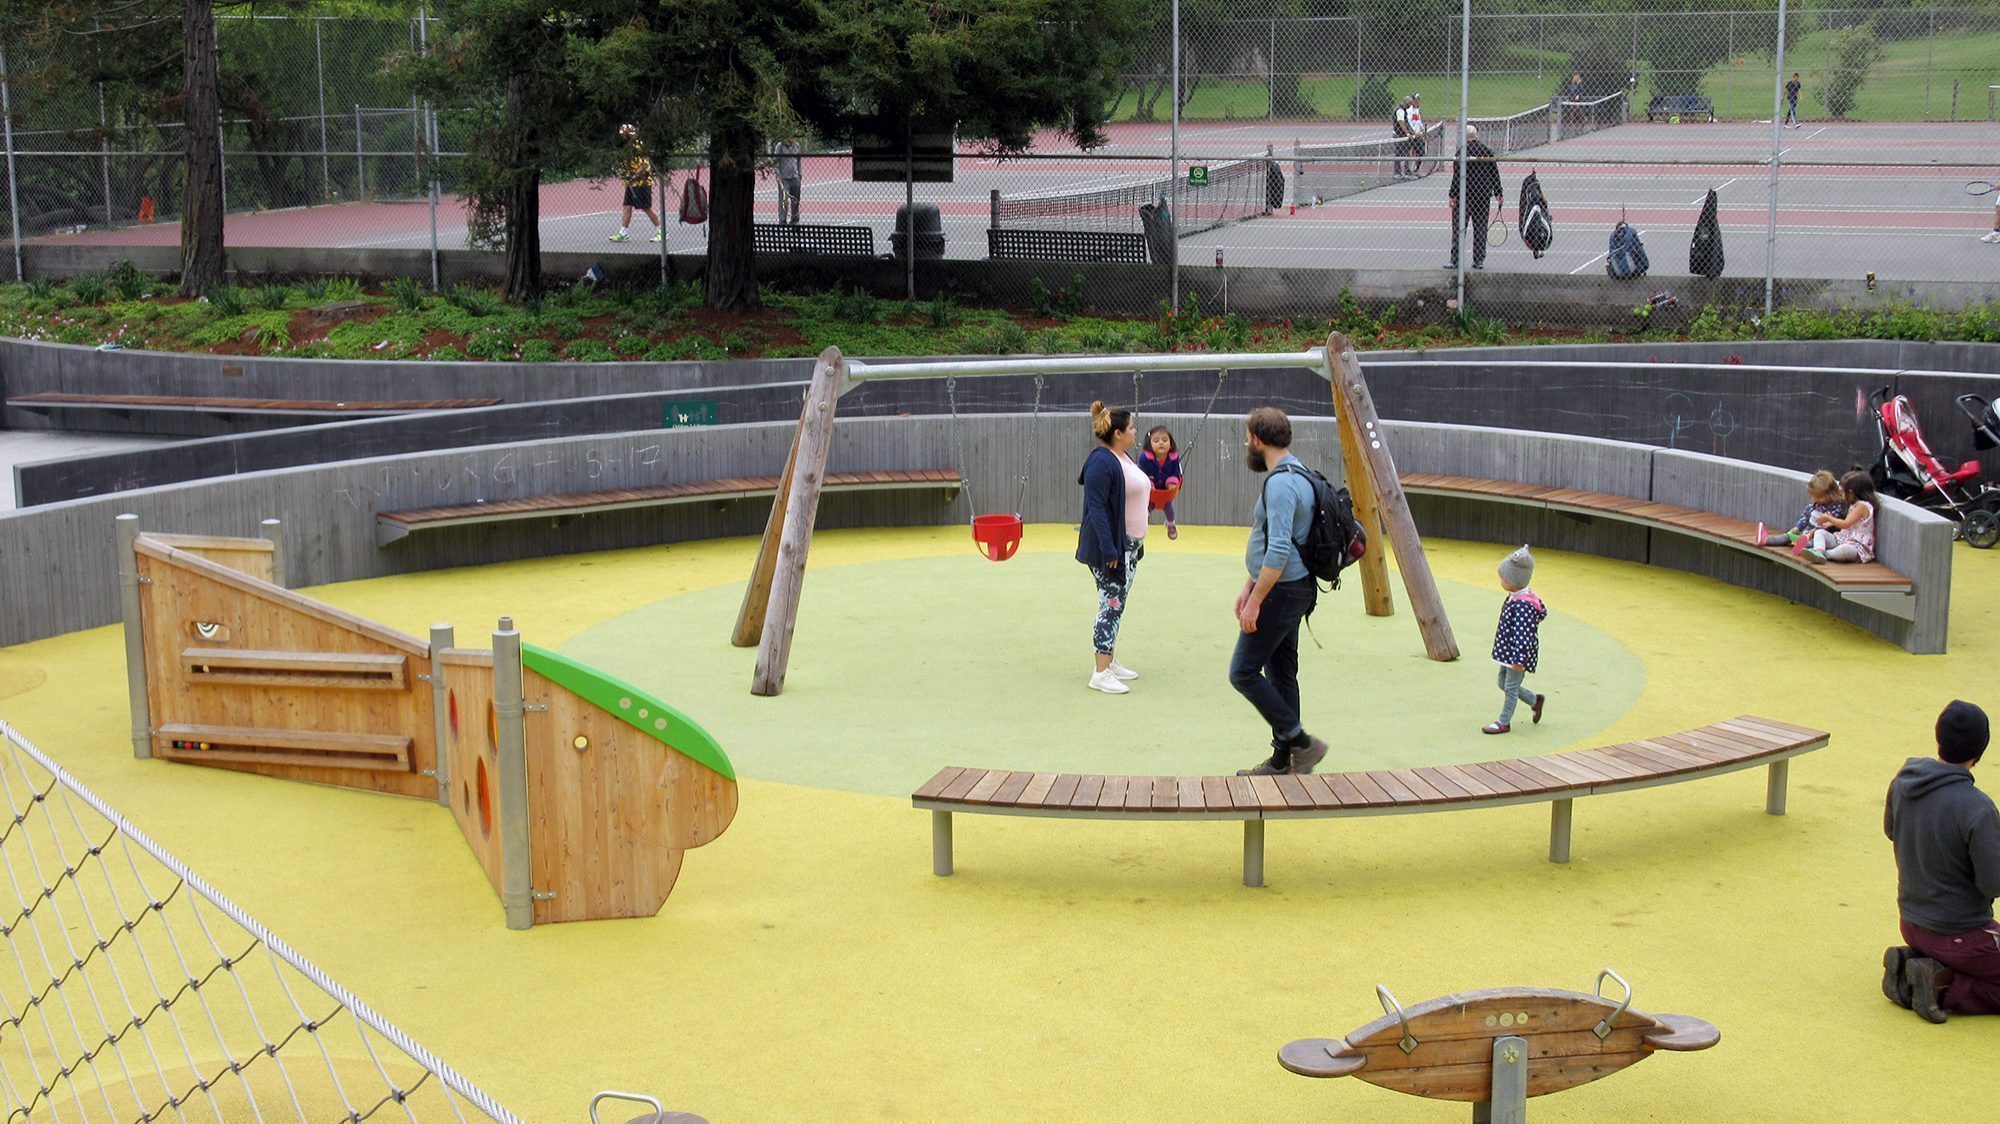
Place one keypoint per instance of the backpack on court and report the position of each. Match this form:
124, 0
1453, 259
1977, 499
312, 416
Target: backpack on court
1626, 257
694, 203
1537, 229
1705, 252
1334, 538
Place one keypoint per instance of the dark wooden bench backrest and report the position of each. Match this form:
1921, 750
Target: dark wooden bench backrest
796, 238
1065, 245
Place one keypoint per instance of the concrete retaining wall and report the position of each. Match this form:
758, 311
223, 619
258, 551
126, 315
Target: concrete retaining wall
58, 566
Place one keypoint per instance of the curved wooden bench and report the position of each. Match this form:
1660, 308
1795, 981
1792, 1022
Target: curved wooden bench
128, 403
1558, 779
1498, 1046
393, 525
1868, 583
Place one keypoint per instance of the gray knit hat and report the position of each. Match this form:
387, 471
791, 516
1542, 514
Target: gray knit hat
1517, 568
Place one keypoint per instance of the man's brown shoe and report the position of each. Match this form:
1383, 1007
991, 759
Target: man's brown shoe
1894, 986
1304, 757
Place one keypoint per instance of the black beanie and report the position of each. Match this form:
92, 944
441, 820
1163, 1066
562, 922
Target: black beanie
1961, 732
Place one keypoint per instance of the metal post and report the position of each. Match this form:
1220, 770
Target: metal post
1774, 786
431, 152
1253, 852
13, 180
135, 636
319, 68
443, 638
1559, 824
104, 150
1271, 76
360, 169
941, 843
1777, 152
1508, 1101
1930, 60
274, 533
1464, 114
1174, 170
510, 730
993, 209
909, 212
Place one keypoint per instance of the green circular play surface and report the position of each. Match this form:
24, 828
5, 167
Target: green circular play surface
900, 667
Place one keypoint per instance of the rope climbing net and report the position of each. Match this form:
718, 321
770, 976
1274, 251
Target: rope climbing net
131, 990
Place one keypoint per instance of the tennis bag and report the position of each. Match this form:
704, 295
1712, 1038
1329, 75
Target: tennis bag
694, 203
1537, 231
1334, 538
1705, 252
1626, 257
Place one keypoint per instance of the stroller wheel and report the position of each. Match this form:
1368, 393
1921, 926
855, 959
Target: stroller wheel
1981, 529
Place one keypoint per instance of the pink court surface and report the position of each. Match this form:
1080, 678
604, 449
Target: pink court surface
810, 967
1853, 198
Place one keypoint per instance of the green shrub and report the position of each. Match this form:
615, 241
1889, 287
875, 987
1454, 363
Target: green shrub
1905, 322
40, 289
473, 302
227, 301
341, 289
587, 350
89, 290
490, 344
405, 293
856, 306
126, 280
537, 351
942, 312
448, 354
1061, 303
1006, 339
1854, 51
270, 297
630, 346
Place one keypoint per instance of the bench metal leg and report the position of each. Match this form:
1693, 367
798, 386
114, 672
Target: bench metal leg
1774, 787
1559, 831
1253, 852
941, 844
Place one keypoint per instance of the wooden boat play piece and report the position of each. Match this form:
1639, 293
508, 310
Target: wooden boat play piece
1499, 1046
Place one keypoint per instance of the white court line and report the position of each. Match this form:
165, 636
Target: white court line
1594, 259
1704, 196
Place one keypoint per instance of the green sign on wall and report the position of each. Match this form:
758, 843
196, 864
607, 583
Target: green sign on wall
1198, 176
693, 411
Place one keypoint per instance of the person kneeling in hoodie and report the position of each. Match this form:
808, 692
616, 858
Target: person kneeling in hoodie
1947, 836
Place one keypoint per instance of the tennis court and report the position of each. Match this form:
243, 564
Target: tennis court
1853, 198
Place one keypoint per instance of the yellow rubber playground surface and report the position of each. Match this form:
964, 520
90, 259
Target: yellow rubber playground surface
809, 966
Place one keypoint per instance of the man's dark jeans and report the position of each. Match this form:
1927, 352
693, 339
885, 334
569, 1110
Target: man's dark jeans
1265, 668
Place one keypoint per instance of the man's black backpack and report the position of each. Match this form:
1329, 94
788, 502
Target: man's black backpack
1334, 538
1705, 252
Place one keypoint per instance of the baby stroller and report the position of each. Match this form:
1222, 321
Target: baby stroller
1907, 470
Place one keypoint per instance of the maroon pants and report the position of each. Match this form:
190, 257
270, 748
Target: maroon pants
1974, 959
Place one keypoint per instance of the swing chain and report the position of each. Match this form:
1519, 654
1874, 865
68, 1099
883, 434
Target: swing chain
1194, 444
958, 443
1028, 469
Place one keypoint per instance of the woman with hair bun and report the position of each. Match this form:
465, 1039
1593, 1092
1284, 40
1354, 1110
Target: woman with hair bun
1111, 537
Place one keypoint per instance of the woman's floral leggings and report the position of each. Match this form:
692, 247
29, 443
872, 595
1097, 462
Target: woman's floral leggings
1113, 587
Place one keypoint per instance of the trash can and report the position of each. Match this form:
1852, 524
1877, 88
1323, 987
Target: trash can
929, 231
1157, 221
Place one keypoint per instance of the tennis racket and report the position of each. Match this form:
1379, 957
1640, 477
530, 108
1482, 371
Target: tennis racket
1496, 233
1981, 187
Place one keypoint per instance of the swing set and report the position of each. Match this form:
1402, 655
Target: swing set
770, 603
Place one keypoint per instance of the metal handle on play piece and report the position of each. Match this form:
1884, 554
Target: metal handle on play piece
636, 1098
1603, 1028
1389, 1006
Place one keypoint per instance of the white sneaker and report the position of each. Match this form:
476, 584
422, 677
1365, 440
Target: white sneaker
1991, 236
1121, 671
1107, 682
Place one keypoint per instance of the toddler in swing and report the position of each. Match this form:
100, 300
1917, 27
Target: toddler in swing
1161, 462
1823, 492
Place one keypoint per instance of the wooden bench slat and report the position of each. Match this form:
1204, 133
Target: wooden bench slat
1215, 794
1371, 793
957, 789
1440, 781
1319, 791
1548, 779
1061, 792
1495, 782
1294, 791
1709, 749
1191, 797
1038, 788
1269, 798
988, 785
1522, 782
1648, 762
1011, 789
1113, 795
1088, 791
937, 784
1166, 796
1423, 790
1474, 786
1343, 789
1614, 769
1571, 771
1781, 733
1398, 792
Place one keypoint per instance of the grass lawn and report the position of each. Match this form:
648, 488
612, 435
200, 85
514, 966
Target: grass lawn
1912, 82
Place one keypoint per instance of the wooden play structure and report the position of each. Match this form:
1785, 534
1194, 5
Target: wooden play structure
1500, 1046
577, 793
771, 601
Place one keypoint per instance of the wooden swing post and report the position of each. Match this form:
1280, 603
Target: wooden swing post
1361, 438
773, 596
1375, 596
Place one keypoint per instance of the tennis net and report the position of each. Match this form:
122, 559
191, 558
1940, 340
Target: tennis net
1236, 190
1329, 171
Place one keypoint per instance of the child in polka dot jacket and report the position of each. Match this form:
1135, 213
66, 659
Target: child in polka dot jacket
1517, 642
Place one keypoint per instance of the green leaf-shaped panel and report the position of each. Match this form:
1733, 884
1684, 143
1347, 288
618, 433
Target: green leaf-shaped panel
637, 709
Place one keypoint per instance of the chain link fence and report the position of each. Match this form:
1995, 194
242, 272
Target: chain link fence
1840, 142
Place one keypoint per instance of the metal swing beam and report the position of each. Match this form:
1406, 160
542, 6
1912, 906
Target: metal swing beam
779, 574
